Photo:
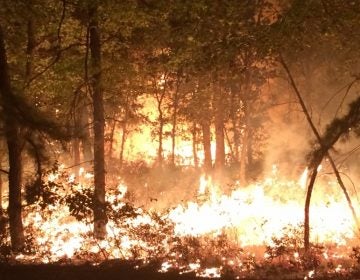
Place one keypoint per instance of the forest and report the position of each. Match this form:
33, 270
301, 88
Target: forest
216, 138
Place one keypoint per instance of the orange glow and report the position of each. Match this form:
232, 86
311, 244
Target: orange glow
248, 217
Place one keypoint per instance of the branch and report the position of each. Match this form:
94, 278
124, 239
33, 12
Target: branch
345, 95
52, 63
318, 157
69, 167
59, 52
4, 171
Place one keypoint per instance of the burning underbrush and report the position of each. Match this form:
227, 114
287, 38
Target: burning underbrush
248, 232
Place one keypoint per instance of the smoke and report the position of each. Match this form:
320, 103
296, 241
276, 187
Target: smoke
290, 137
287, 147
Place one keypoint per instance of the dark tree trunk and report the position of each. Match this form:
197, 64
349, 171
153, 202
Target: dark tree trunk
334, 131
194, 145
173, 133
175, 106
310, 188
124, 128
76, 155
81, 145
86, 143
1, 189
30, 48
234, 122
160, 139
100, 218
76, 143
15, 167
250, 158
123, 137
3, 220
122, 144
111, 138
14, 145
219, 131
244, 144
243, 158
206, 140
229, 143
159, 98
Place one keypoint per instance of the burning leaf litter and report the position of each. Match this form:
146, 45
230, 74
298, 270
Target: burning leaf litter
212, 235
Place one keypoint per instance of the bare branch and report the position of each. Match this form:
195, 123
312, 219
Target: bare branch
315, 161
4, 171
345, 95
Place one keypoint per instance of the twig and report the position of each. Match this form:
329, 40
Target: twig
345, 95
69, 167
4, 171
347, 155
58, 53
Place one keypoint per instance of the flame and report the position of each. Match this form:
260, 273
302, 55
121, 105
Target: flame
203, 184
257, 217
248, 217
303, 178
319, 168
140, 144
213, 272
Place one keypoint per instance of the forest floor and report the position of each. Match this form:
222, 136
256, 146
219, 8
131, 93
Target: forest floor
85, 272
119, 270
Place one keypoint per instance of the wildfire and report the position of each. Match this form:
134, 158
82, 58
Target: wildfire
255, 217
246, 218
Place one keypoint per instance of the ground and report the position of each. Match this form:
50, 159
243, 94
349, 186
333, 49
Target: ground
112, 271
85, 272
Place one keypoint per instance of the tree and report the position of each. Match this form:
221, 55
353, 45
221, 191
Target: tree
24, 124
219, 119
315, 32
14, 146
17, 114
100, 218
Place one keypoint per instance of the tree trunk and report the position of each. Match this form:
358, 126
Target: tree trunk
334, 131
219, 131
228, 141
307, 209
159, 98
122, 145
15, 168
206, 140
234, 122
173, 135
86, 143
100, 218
194, 145
76, 141
76, 155
174, 122
14, 153
250, 159
243, 158
124, 128
111, 138
30, 48
1, 187
160, 137
244, 143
